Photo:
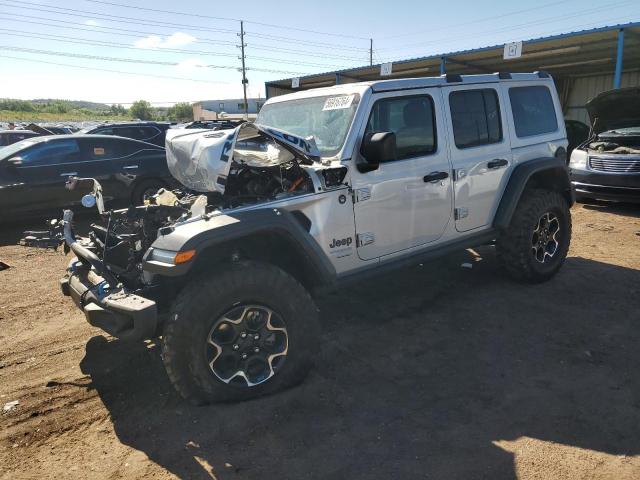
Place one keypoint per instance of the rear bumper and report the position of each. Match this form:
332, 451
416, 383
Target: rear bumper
625, 188
118, 312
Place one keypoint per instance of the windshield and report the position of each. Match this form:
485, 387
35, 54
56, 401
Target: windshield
11, 150
326, 118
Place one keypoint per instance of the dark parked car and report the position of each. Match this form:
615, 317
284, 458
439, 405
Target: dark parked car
49, 129
150, 132
607, 165
33, 172
8, 137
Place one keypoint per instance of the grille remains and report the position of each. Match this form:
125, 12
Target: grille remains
615, 164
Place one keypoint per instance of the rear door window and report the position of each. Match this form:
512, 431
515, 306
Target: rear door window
104, 131
475, 115
533, 110
51, 153
103, 149
148, 133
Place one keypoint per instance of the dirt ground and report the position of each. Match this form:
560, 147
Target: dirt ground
438, 372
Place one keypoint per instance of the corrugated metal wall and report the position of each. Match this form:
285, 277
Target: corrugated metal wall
584, 89
273, 91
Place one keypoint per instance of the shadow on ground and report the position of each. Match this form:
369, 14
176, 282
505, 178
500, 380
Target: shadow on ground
625, 209
12, 232
419, 373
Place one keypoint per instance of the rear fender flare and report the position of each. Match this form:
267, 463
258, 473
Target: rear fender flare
548, 172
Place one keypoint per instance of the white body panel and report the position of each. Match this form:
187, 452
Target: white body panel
403, 213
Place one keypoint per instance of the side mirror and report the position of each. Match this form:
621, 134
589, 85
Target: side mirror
377, 148
14, 162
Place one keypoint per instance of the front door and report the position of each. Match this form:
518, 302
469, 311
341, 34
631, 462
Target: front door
38, 183
406, 202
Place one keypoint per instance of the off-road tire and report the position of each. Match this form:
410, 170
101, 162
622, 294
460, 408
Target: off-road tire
202, 302
144, 187
514, 247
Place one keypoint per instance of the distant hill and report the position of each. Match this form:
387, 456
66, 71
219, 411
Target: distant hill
72, 103
50, 109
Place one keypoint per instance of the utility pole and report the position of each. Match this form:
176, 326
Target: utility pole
244, 72
371, 51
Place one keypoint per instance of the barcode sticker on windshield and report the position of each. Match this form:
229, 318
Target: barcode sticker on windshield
336, 103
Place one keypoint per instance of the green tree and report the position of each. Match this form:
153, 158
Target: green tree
56, 107
117, 110
141, 110
181, 112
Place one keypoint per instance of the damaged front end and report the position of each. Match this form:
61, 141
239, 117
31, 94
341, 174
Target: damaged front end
247, 165
220, 171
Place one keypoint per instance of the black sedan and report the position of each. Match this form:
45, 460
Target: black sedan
33, 172
8, 137
150, 132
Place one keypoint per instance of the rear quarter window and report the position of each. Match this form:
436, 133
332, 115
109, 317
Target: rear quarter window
533, 111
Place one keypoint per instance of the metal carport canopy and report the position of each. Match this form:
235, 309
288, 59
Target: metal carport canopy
601, 50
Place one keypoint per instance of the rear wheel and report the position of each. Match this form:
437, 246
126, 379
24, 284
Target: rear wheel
249, 330
537, 240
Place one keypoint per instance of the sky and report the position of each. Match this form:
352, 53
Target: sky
117, 51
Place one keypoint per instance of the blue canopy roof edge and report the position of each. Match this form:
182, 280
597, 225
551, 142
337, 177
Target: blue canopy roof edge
355, 70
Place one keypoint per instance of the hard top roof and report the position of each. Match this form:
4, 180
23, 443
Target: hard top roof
412, 83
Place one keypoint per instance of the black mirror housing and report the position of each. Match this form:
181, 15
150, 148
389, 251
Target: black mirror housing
14, 162
377, 148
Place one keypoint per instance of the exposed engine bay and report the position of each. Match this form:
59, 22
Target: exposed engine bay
616, 142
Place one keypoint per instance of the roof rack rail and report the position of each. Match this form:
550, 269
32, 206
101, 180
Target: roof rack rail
452, 78
541, 74
503, 75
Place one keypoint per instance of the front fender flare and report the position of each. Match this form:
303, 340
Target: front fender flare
204, 234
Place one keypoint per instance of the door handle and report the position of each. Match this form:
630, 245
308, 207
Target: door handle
130, 167
497, 163
435, 176
69, 174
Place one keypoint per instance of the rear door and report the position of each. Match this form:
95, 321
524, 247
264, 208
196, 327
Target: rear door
480, 151
104, 159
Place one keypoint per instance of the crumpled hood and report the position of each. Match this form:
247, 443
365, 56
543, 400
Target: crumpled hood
201, 159
615, 109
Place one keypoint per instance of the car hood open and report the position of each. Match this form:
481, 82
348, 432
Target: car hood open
615, 109
201, 159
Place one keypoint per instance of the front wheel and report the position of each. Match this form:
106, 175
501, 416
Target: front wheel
537, 240
145, 189
248, 330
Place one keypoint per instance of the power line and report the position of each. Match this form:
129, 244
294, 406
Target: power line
164, 11
480, 20
198, 15
512, 27
118, 18
82, 67
335, 46
131, 60
82, 27
80, 41
94, 29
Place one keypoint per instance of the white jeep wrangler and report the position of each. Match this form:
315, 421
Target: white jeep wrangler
328, 186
